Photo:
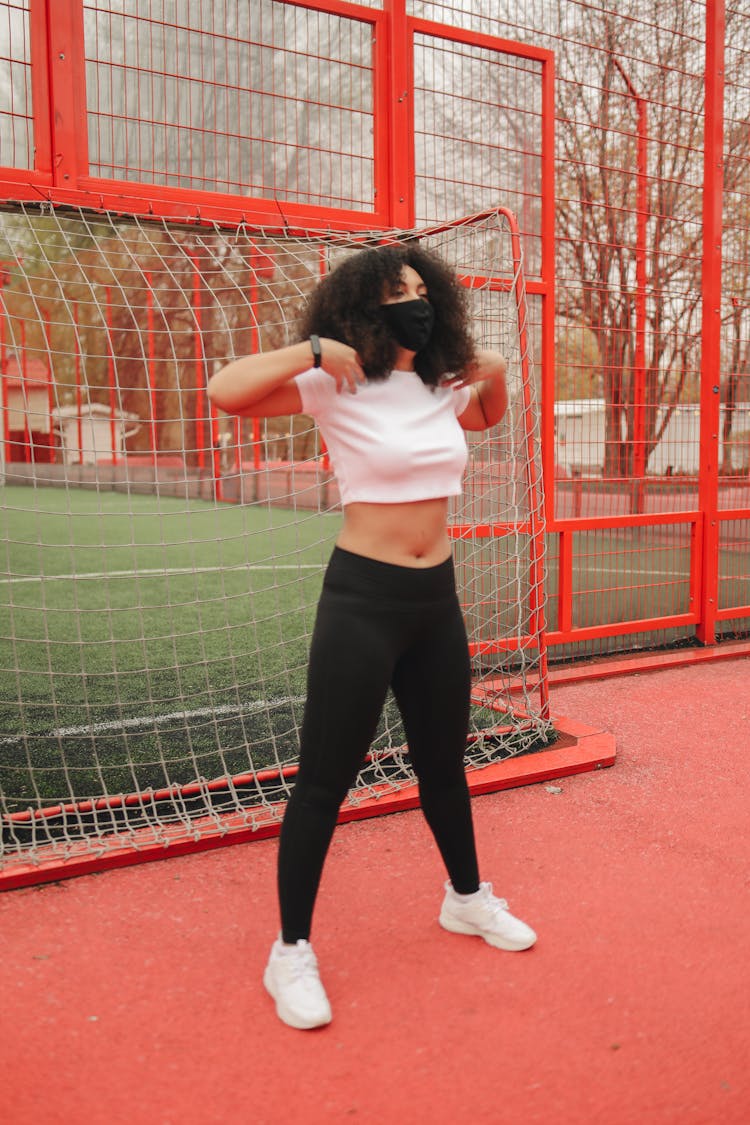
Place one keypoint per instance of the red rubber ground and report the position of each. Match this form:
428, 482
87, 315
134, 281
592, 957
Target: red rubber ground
134, 997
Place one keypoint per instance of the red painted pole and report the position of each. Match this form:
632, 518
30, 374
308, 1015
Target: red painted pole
213, 437
397, 109
42, 40
28, 453
710, 400
254, 347
67, 91
150, 370
323, 270
642, 215
216, 452
548, 283
3, 374
200, 382
113, 405
79, 391
565, 582
51, 393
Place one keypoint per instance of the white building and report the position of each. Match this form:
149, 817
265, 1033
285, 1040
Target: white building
580, 431
93, 432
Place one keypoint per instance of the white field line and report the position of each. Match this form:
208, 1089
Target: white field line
158, 572
149, 721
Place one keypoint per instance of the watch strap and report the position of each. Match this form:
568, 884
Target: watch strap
316, 351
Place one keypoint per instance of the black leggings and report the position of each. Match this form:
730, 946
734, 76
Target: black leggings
379, 626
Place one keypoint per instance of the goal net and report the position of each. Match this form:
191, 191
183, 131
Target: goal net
163, 561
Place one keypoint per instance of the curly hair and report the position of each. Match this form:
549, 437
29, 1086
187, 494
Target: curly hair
346, 307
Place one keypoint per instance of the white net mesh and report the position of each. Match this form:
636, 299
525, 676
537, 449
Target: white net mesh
163, 562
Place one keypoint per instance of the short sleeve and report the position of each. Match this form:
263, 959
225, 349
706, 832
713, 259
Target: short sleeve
315, 390
461, 399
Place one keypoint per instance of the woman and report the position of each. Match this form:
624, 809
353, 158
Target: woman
387, 368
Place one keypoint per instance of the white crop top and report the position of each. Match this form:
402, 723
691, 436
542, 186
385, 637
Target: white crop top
394, 440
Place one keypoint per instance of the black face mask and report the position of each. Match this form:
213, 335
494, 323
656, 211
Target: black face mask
410, 323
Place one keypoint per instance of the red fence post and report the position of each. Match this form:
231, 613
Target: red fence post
255, 428
114, 429
51, 386
200, 371
548, 287
79, 385
28, 452
3, 377
151, 369
41, 99
710, 400
397, 108
67, 92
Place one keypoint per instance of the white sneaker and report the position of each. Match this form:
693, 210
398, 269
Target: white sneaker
292, 979
485, 916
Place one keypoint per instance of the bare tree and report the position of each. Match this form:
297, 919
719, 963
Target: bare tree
736, 266
647, 56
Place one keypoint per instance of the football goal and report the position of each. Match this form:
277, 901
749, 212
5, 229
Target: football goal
163, 562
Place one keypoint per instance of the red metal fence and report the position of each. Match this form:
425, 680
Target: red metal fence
617, 132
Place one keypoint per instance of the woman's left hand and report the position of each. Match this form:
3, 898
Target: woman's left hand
486, 367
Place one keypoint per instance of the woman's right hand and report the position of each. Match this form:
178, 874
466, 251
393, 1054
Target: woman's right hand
342, 363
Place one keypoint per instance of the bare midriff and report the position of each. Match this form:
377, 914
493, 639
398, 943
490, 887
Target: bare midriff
411, 534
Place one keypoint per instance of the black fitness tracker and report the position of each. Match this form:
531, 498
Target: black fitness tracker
317, 353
